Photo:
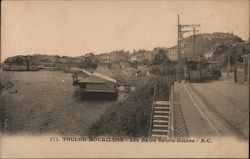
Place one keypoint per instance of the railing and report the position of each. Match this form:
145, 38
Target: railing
152, 113
171, 99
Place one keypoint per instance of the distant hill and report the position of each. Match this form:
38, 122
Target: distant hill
34, 62
206, 42
44, 59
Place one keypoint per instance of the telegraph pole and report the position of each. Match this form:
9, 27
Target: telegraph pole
194, 31
180, 37
228, 63
229, 58
178, 49
235, 61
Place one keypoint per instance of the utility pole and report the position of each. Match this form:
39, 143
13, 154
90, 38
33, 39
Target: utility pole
235, 61
194, 31
228, 63
228, 58
180, 37
178, 49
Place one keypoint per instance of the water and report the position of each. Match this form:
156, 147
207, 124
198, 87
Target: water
45, 102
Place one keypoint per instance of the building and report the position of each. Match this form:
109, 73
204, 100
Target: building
208, 54
104, 58
242, 68
113, 57
223, 35
97, 85
79, 74
201, 43
173, 53
142, 57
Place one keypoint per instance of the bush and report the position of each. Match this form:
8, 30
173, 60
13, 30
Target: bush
128, 118
160, 58
163, 87
164, 69
5, 82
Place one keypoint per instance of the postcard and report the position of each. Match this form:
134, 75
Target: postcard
124, 79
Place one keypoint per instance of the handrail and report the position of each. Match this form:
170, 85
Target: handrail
171, 96
172, 109
152, 112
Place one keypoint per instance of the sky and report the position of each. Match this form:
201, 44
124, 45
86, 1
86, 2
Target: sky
74, 28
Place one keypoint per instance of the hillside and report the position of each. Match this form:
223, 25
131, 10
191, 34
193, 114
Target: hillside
35, 62
205, 42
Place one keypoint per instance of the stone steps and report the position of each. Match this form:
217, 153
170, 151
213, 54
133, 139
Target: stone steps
161, 119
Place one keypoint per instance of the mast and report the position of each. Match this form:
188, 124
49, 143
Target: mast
178, 49
180, 33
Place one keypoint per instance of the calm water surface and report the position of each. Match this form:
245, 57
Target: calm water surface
46, 103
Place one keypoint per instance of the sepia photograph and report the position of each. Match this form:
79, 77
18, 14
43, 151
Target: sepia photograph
149, 74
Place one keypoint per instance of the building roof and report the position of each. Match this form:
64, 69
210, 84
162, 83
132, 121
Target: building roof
92, 79
80, 74
79, 70
107, 78
97, 78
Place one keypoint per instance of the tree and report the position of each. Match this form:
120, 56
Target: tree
161, 57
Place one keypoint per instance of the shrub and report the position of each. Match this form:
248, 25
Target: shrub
163, 69
5, 82
128, 118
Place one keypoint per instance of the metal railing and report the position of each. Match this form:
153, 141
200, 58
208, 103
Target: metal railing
171, 98
152, 112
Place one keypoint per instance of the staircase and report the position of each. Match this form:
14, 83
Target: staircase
160, 119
